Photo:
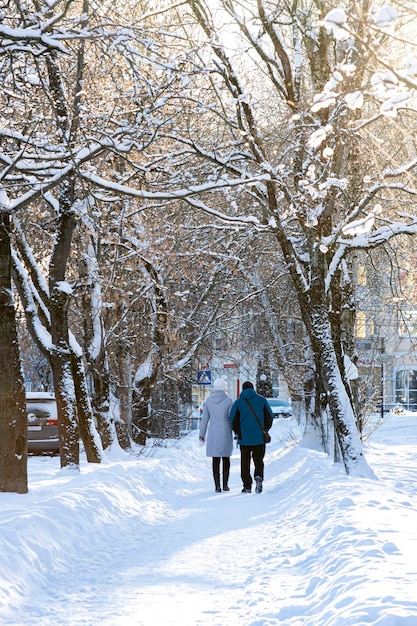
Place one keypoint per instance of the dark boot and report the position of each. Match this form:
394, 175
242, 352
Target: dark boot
216, 476
226, 472
216, 472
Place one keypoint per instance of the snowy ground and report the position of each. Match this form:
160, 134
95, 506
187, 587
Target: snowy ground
146, 541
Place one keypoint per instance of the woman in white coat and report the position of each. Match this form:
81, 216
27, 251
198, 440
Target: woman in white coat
219, 441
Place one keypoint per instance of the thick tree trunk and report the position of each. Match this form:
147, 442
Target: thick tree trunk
35, 315
89, 435
142, 393
147, 372
13, 420
61, 352
166, 417
122, 434
59, 291
314, 307
68, 431
315, 432
95, 349
339, 402
101, 401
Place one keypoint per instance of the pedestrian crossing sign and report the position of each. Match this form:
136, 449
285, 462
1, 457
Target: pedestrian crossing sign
204, 377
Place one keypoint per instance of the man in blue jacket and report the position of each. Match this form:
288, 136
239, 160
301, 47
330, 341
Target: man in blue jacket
250, 433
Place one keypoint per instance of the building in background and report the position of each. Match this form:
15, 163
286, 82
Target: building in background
386, 334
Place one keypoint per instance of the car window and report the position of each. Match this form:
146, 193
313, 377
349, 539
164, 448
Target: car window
41, 409
35, 413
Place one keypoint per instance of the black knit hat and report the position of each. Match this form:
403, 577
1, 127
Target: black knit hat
247, 385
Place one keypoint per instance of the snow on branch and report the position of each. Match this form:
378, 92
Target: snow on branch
37, 277
398, 171
362, 236
41, 187
336, 21
336, 24
385, 15
334, 264
28, 295
145, 370
237, 220
382, 234
184, 194
393, 87
9, 37
361, 226
4, 200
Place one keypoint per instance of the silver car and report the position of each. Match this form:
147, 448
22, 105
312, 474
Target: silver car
280, 407
42, 419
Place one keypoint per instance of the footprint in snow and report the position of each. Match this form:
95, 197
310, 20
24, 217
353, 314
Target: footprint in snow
390, 548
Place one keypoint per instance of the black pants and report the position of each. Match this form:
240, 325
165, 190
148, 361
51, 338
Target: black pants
248, 453
216, 470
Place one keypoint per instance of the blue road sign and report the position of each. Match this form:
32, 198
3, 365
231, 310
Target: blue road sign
204, 377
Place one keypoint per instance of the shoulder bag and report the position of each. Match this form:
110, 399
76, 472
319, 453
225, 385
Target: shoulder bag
267, 436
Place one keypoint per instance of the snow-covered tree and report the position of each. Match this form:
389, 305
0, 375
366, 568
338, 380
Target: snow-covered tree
306, 106
191, 147
73, 96
13, 425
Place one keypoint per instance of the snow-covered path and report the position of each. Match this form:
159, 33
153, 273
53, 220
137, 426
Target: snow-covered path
147, 542
191, 564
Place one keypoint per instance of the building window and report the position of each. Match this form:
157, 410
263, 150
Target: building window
361, 275
361, 325
406, 388
407, 326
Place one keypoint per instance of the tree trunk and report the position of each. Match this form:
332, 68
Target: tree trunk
147, 372
13, 420
315, 307
101, 400
95, 348
61, 352
140, 422
339, 402
315, 432
89, 435
124, 427
35, 319
68, 431
347, 320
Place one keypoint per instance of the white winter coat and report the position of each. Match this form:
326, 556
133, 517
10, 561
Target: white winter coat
219, 440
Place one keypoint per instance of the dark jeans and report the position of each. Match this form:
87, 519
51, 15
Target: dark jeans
248, 453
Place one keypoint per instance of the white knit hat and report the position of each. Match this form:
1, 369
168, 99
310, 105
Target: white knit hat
219, 385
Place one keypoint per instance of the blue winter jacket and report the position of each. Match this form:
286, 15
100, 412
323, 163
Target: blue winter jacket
243, 420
